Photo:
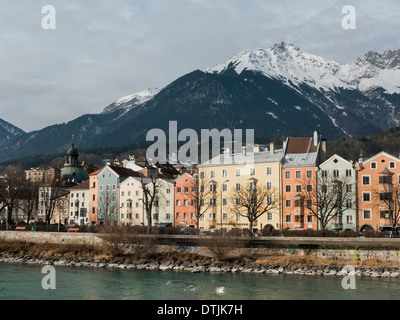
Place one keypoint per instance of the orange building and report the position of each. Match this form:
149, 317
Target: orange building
299, 168
93, 192
185, 210
378, 185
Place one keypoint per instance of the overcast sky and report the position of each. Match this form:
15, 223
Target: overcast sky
103, 50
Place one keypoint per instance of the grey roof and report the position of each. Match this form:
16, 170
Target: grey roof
249, 158
300, 159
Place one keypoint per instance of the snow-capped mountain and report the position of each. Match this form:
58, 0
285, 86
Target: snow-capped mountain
132, 100
280, 91
289, 63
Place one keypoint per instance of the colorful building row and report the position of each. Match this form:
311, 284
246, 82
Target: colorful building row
307, 191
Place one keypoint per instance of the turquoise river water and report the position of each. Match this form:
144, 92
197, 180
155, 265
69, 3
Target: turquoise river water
24, 282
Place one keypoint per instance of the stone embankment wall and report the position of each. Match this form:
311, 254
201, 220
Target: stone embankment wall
325, 248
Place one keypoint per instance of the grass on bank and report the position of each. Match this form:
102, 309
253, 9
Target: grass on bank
107, 252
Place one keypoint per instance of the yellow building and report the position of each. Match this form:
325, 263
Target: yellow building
221, 176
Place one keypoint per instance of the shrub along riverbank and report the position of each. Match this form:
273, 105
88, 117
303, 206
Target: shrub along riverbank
146, 256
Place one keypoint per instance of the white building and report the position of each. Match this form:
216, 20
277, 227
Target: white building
131, 209
78, 211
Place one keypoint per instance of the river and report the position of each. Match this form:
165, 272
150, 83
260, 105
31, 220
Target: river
24, 282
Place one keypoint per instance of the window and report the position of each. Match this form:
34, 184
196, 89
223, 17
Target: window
238, 202
224, 187
185, 215
385, 214
178, 203
237, 187
212, 174
213, 187
385, 196
366, 196
224, 216
287, 174
224, 173
324, 173
299, 218
349, 204
252, 186
238, 217
224, 202
252, 171
288, 188
269, 185
178, 215
269, 216
186, 189
298, 188
365, 180
349, 173
186, 203
309, 188
367, 214
349, 188
168, 216
288, 203
309, 174
288, 218
269, 171
309, 218
336, 173
298, 174
373, 165
392, 164
349, 219
202, 175
211, 216
385, 179
178, 189
167, 203
213, 202
298, 203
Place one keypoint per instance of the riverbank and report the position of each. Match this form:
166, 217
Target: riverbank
102, 257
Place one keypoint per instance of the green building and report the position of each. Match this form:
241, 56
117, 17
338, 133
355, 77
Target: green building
73, 170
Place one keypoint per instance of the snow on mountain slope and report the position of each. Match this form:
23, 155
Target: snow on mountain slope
286, 62
133, 100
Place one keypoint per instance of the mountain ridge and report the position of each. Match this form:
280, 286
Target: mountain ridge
280, 91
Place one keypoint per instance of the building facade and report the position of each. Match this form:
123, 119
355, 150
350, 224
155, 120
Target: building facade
185, 201
378, 184
79, 204
223, 177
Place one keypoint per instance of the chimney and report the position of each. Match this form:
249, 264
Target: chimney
284, 145
316, 138
323, 148
256, 148
272, 147
244, 151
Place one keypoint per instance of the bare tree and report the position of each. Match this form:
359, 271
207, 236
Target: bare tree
49, 198
387, 200
150, 187
11, 185
107, 207
253, 201
325, 197
29, 199
202, 192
